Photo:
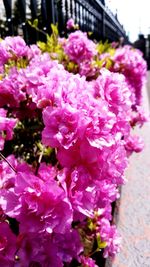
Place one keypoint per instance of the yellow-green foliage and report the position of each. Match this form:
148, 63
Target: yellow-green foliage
108, 50
52, 45
105, 48
20, 63
100, 244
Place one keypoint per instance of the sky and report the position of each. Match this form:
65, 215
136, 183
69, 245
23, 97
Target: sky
133, 14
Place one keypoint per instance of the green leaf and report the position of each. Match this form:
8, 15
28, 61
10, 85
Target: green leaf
29, 22
90, 33
91, 225
103, 245
71, 66
99, 63
100, 244
42, 46
98, 238
109, 63
54, 29
103, 48
35, 23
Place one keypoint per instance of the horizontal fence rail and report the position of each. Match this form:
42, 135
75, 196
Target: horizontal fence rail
91, 16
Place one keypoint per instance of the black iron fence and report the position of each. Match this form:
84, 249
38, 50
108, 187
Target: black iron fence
91, 15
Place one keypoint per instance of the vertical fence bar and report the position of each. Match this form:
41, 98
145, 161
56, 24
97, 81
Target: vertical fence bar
83, 17
60, 9
33, 35
69, 13
90, 24
103, 25
75, 11
86, 19
44, 14
22, 11
50, 9
33, 7
8, 9
48, 14
71, 9
79, 14
66, 11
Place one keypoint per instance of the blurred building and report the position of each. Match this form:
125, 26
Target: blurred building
141, 44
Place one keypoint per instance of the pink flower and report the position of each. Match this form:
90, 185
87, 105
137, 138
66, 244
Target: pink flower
45, 249
44, 79
108, 233
7, 175
130, 62
33, 51
87, 68
139, 117
113, 88
13, 48
134, 144
106, 163
13, 88
101, 122
79, 48
86, 193
38, 204
7, 245
70, 24
6, 127
87, 262
61, 125
69, 245
37, 250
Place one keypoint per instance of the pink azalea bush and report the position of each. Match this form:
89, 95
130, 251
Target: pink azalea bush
65, 141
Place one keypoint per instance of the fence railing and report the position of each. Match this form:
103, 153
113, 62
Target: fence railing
91, 15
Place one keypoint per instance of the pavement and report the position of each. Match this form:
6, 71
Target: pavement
132, 213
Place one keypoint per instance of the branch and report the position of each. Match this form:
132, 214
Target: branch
1, 155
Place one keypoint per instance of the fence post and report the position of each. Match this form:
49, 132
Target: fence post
22, 10
8, 9
33, 34
103, 24
71, 9
60, 7
33, 7
50, 8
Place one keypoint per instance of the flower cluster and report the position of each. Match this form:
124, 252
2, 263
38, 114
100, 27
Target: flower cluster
79, 48
129, 61
56, 201
6, 127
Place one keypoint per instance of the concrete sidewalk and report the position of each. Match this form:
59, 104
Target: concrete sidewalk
133, 216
